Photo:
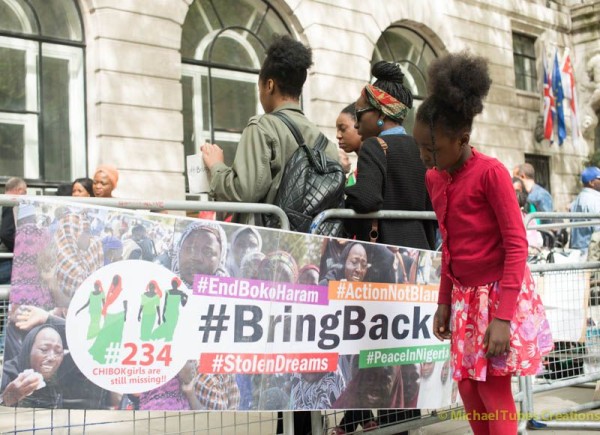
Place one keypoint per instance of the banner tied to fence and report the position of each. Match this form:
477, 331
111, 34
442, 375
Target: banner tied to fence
115, 309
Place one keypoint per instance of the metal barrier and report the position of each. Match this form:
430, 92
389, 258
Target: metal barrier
524, 387
576, 357
139, 204
24, 420
342, 213
559, 215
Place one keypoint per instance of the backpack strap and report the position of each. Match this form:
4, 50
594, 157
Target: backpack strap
319, 146
292, 126
321, 142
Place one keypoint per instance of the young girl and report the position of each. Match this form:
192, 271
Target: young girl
487, 304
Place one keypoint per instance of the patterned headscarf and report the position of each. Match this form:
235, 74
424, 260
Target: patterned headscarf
384, 102
210, 227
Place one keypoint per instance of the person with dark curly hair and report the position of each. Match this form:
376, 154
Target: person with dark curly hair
267, 143
390, 174
497, 323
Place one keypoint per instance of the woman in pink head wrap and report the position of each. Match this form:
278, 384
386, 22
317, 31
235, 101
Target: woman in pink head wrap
105, 181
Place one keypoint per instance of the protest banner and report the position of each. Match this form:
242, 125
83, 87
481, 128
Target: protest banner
225, 317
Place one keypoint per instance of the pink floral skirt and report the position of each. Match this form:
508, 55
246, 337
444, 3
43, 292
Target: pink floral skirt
473, 309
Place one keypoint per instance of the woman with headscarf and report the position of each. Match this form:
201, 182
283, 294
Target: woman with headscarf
309, 274
149, 312
251, 264
105, 181
391, 175
202, 249
30, 379
244, 241
353, 265
174, 298
95, 303
115, 316
278, 266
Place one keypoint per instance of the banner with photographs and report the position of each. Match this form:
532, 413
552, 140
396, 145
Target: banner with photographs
117, 309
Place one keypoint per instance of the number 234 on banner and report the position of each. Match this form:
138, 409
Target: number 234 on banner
122, 331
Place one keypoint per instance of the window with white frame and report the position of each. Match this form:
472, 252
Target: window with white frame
42, 116
413, 54
223, 45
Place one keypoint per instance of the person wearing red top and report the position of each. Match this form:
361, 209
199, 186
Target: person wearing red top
487, 303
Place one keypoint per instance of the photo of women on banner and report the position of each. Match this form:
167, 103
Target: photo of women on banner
157, 312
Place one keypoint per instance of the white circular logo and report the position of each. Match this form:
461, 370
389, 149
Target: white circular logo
122, 326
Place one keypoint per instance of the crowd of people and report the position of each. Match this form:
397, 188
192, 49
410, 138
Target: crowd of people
479, 209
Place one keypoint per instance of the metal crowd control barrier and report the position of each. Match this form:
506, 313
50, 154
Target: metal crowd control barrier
524, 387
100, 422
575, 359
342, 213
25, 420
140, 204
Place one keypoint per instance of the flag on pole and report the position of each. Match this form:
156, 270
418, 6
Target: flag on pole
557, 90
548, 108
570, 93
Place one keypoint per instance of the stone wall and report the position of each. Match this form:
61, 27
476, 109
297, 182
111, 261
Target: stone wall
134, 70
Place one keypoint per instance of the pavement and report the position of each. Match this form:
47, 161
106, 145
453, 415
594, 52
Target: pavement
27, 421
544, 403
229, 423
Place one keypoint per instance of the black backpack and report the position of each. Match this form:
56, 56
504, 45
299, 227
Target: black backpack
311, 183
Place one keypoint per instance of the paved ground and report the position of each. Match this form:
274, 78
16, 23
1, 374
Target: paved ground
123, 422
543, 403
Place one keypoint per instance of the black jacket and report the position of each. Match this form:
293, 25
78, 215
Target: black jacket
392, 182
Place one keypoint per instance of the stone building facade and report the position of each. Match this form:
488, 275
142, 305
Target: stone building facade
147, 81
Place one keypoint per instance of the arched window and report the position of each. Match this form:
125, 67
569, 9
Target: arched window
222, 48
42, 116
413, 54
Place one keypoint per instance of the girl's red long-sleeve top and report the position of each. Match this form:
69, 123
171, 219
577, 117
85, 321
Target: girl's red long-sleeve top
482, 227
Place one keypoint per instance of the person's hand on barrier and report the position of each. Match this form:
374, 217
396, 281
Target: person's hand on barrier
23, 385
441, 322
28, 316
497, 338
212, 154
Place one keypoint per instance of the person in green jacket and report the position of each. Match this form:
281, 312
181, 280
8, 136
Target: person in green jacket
267, 143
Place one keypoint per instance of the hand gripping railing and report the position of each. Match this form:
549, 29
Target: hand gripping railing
342, 213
